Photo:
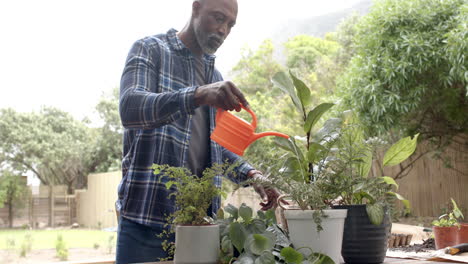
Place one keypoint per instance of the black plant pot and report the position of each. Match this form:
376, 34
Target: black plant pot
363, 242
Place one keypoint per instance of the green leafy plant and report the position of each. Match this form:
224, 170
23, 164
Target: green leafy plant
249, 239
193, 195
300, 175
348, 170
450, 219
61, 248
26, 245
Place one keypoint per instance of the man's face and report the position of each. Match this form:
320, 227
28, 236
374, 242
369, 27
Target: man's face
213, 20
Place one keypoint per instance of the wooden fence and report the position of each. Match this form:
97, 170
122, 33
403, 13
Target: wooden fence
430, 184
96, 205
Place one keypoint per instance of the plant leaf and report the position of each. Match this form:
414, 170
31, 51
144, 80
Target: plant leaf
375, 213
365, 166
320, 258
400, 151
389, 180
314, 116
238, 235
331, 126
405, 202
282, 81
257, 243
232, 210
245, 258
303, 91
245, 212
291, 255
266, 258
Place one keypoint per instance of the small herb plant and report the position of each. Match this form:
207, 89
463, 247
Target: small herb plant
450, 219
193, 195
249, 239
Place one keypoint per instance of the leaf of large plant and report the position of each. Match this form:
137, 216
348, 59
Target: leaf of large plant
245, 212
316, 152
226, 245
375, 213
302, 91
257, 226
291, 255
282, 81
389, 180
257, 243
400, 151
266, 258
314, 116
331, 126
238, 235
365, 166
281, 237
405, 201
232, 210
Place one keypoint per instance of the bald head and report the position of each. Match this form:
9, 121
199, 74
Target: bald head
212, 21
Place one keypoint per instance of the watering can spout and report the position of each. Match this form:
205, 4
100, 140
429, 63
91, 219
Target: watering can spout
268, 133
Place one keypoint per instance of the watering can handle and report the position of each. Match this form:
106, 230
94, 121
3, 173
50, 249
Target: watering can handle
219, 112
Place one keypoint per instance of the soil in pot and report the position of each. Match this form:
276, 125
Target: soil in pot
445, 236
364, 242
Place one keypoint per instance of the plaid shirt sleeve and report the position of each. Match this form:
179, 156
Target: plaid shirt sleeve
142, 103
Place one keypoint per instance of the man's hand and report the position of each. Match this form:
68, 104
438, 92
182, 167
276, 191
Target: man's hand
222, 94
268, 194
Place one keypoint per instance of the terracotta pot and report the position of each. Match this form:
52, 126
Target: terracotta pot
462, 234
445, 236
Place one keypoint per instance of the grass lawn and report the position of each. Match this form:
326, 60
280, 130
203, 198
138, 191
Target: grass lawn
42, 239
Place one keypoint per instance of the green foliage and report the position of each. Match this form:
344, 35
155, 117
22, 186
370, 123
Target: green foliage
13, 192
348, 170
254, 70
453, 218
409, 71
110, 244
305, 50
61, 248
193, 195
248, 239
106, 151
26, 245
299, 174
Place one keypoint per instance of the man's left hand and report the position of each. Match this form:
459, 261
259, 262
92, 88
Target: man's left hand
269, 195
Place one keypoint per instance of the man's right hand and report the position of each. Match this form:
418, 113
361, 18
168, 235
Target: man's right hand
222, 94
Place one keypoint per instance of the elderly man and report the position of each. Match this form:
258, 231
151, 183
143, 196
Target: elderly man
169, 93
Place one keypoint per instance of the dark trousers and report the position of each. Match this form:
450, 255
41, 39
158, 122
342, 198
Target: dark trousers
138, 243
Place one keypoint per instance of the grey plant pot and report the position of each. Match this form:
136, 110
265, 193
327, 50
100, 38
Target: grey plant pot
197, 244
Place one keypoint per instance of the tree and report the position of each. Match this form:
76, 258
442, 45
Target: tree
13, 193
107, 149
51, 144
409, 72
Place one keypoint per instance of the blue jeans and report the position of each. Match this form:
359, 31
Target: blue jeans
138, 243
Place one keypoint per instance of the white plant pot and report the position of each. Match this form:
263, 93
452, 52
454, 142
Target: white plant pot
303, 231
197, 244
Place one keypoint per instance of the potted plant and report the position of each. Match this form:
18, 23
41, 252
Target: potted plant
193, 196
367, 199
447, 229
313, 224
246, 238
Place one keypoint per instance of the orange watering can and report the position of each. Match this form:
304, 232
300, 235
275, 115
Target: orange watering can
236, 134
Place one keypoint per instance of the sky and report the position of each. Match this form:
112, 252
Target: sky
68, 53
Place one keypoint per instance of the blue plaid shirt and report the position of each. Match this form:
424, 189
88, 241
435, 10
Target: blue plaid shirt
156, 106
